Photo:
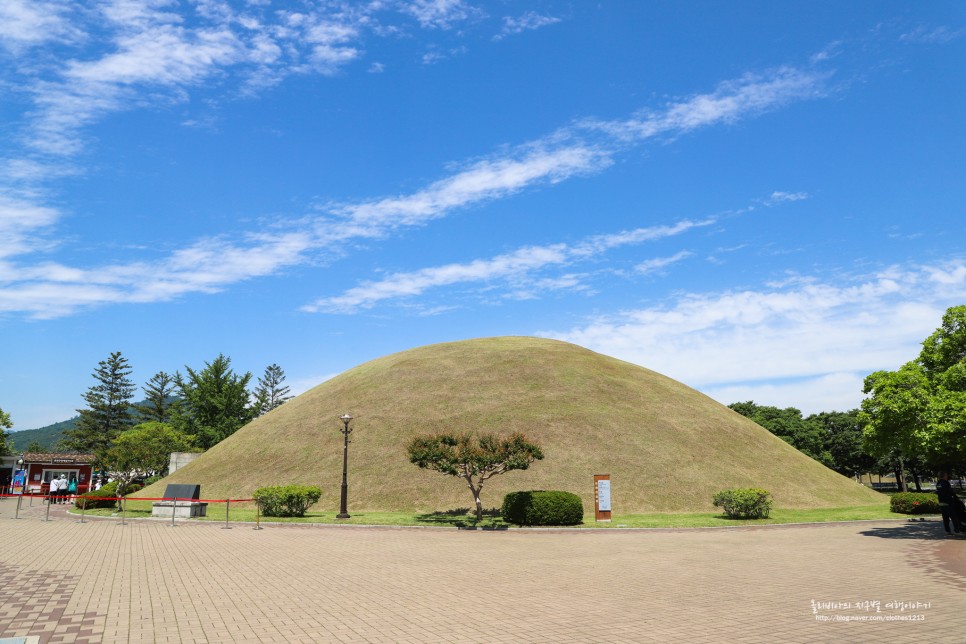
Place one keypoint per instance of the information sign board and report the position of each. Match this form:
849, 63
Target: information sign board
602, 497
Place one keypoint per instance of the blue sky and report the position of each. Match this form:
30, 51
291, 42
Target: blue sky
763, 200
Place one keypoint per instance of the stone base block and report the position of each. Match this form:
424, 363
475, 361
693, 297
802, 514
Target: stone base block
181, 509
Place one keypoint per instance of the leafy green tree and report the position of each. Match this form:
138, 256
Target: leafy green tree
142, 451
788, 424
943, 358
270, 392
35, 447
843, 441
159, 398
6, 447
919, 411
215, 402
473, 458
108, 411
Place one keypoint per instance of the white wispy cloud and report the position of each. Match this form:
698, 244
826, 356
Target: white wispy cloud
145, 46
20, 220
659, 263
514, 267
96, 87
527, 22
51, 290
778, 197
579, 149
923, 35
441, 14
28, 23
732, 100
483, 180
814, 332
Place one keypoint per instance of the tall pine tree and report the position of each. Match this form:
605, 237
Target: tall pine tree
270, 392
108, 411
214, 402
159, 399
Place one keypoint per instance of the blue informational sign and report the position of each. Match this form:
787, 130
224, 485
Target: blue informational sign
603, 495
19, 479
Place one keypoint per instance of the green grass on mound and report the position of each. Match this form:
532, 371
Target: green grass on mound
463, 518
667, 447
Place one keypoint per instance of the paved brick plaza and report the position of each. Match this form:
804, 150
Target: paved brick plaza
148, 582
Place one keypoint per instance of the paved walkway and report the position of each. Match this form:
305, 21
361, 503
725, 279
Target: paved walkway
62, 581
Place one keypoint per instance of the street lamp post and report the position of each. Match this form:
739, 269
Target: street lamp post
343, 509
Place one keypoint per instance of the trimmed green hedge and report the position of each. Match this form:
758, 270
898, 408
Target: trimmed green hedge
914, 503
286, 500
744, 503
542, 507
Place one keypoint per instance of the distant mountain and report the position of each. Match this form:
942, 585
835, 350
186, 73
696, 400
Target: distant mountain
47, 437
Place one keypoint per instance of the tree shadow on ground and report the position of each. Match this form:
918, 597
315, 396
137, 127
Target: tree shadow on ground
464, 518
919, 529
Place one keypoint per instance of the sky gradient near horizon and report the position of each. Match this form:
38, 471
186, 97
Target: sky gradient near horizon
762, 200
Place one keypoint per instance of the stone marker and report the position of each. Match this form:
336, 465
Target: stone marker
180, 509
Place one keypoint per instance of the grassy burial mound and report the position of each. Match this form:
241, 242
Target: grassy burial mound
667, 447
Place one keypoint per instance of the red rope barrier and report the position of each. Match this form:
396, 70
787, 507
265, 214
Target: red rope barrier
126, 498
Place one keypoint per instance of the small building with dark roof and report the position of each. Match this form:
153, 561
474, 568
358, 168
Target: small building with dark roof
41, 468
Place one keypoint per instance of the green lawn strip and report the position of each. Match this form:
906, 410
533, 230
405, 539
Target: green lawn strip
246, 513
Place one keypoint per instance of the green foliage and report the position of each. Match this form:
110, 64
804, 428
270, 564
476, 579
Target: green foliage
914, 503
920, 410
542, 507
473, 458
467, 455
844, 442
744, 503
286, 500
270, 392
215, 402
104, 497
6, 446
108, 411
805, 435
145, 450
159, 401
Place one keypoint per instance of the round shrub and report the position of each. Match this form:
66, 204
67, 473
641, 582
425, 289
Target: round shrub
914, 503
542, 507
286, 500
744, 503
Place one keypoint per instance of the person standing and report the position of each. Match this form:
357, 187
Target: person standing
71, 489
55, 489
949, 504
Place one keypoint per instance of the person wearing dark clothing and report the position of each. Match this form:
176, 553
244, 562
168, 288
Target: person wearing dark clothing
949, 505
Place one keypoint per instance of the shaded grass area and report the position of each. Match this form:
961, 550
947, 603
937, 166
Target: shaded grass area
463, 518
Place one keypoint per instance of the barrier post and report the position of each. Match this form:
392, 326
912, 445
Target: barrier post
19, 501
257, 508
122, 510
47, 514
227, 504
174, 508
83, 509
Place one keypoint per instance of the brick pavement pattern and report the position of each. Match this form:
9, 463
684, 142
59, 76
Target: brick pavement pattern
62, 581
